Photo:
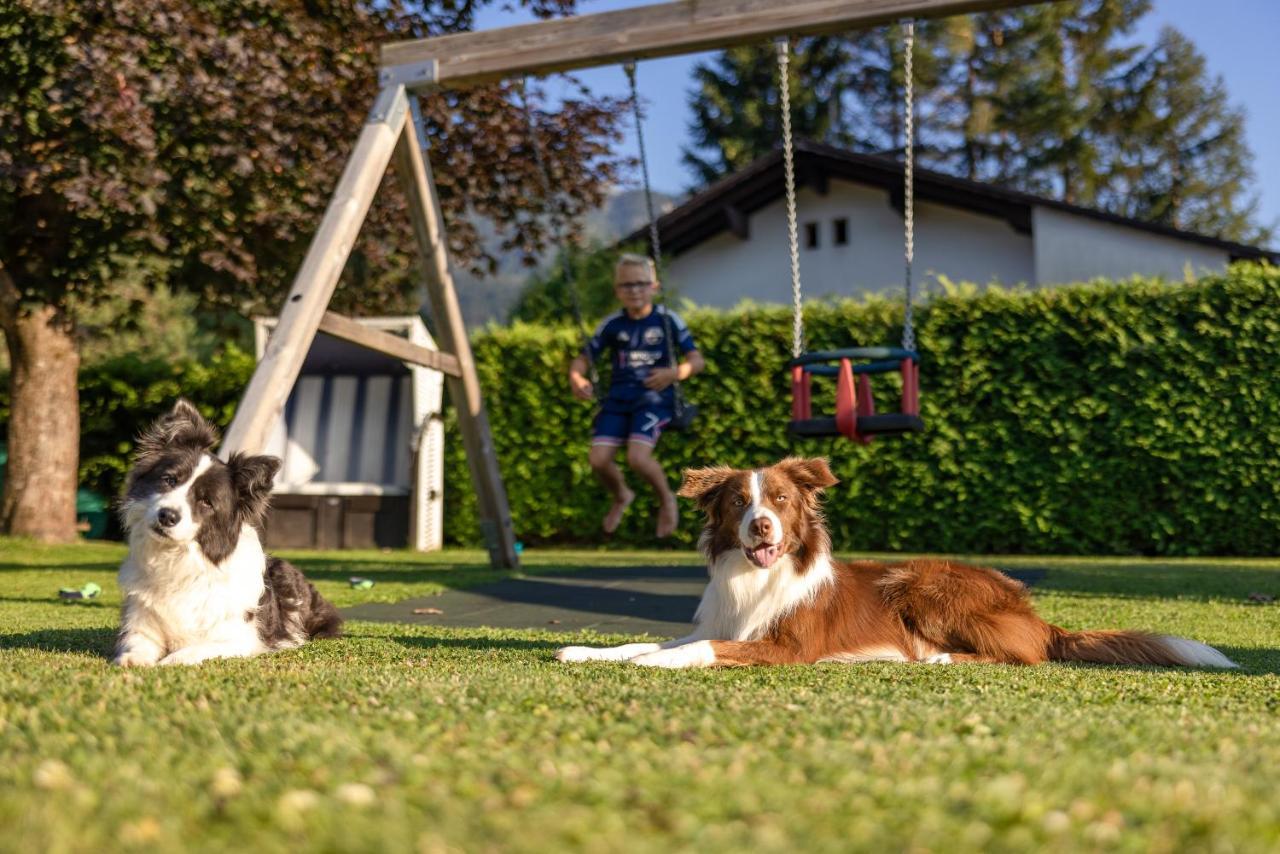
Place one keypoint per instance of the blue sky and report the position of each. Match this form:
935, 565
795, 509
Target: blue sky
1236, 37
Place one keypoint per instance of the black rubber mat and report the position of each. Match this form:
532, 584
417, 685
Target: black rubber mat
637, 600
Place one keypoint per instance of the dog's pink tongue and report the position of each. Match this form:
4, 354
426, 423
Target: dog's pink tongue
764, 555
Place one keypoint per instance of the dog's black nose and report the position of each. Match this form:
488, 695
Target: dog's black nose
168, 517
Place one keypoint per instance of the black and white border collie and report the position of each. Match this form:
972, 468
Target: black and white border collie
196, 583
777, 596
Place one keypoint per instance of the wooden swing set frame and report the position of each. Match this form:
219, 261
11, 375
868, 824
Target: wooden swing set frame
393, 132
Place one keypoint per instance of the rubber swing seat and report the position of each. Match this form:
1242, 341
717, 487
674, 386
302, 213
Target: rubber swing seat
888, 424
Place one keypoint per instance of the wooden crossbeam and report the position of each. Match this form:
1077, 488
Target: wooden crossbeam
666, 29
392, 345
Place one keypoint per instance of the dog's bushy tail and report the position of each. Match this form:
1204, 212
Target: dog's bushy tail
1125, 647
323, 620
291, 601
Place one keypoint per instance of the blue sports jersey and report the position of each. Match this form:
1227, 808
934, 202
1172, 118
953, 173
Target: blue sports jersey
638, 346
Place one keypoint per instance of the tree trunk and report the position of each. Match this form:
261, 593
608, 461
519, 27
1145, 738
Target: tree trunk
44, 426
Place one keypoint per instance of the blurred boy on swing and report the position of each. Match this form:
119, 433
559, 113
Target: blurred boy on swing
641, 398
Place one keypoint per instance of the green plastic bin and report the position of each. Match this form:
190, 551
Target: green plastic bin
92, 510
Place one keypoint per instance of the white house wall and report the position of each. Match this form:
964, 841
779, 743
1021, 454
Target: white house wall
1073, 248
963, 246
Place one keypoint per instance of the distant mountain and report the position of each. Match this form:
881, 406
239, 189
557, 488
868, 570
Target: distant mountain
490, 298
625, 212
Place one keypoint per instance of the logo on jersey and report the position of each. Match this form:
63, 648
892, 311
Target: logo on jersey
653, 336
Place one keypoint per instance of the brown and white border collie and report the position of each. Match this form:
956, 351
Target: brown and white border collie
777, 596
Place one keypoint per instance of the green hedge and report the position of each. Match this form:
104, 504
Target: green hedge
1132, 418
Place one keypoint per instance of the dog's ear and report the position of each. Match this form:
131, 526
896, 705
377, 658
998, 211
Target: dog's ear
252, 478
703, 485
182, 427
812, 475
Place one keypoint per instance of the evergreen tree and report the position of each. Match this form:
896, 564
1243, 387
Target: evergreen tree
1058, 100
735, 104
959, 103
1055, 73
846, 91
1179, 156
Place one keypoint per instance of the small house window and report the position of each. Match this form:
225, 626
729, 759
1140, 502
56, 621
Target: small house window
810, 235
842, 232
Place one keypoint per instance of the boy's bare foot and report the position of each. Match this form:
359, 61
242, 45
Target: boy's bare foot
613, 518
668, 517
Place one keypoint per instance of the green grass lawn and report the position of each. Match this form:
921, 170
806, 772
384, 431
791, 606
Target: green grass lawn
419, 738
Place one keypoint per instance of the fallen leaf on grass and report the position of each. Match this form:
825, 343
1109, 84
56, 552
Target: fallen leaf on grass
427, 611
1261, 598
553, 622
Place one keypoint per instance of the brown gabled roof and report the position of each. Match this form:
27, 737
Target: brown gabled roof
724, 205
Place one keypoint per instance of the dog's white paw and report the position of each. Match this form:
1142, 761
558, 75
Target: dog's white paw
696, 654
187, 655
574, 654
940, 658
134, 659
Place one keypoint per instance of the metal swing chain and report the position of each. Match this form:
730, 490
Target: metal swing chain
557, 231
783, 46
655, 246
909, 186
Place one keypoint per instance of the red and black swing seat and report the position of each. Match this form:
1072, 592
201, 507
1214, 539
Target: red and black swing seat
856, 417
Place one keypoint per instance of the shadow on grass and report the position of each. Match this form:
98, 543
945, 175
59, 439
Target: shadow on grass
337, 562
1162, 581
63, 566
478, 644
55, 600
92, 641
1253, 661
462, 576
449, 577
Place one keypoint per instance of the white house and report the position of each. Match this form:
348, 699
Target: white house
729, 242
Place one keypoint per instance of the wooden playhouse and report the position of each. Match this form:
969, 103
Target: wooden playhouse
362, 444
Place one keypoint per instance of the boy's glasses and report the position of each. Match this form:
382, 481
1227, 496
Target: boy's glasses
633, 286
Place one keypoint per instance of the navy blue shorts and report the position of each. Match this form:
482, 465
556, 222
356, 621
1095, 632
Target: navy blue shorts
616, 426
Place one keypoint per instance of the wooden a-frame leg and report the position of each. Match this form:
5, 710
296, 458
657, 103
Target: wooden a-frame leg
387, 130
473, 422
273, 379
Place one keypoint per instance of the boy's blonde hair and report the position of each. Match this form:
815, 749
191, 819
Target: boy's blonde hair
631, 259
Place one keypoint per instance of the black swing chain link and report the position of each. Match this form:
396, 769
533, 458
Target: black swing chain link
655, 245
